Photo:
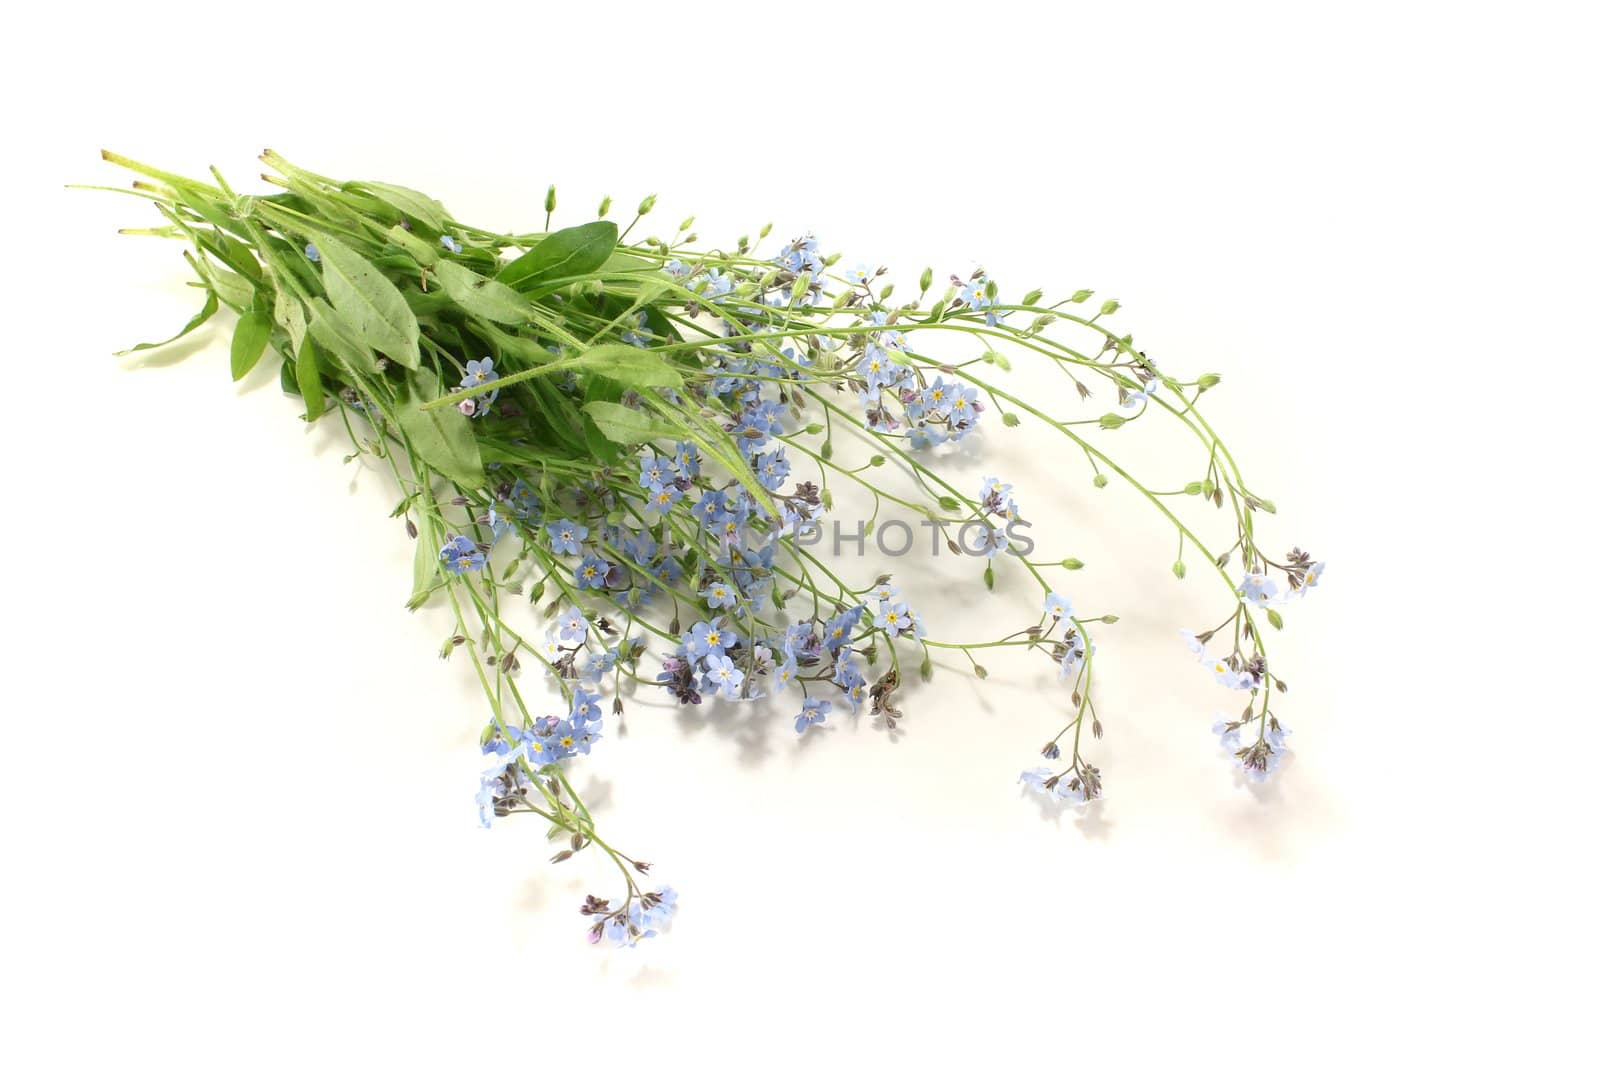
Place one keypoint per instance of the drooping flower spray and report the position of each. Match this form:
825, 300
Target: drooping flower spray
635, 442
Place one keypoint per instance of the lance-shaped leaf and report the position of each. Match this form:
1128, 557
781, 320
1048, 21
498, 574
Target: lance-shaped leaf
425, 566
441, 438
308, 376
206, 311
335, 333
232, 289
424, 253
564, 254
480, 296
369, 302
636, 368
290, 315
249, 341
625, 425
419, 206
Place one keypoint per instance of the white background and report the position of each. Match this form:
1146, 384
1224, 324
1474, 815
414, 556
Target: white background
237, 780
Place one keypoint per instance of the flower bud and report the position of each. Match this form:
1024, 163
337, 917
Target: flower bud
1179, 569
1032, 297
550, 200
605, 207
1209, 381
1072, 564
927, 278
1010, 419
1109, 307
1100, 481
647, 203
1081, 295
1109, 421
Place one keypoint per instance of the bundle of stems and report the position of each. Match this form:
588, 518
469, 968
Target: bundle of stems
615, 431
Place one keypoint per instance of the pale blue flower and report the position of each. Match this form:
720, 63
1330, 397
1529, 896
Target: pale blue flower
720, 594
572, 626
1313, 577
722, 676
812, 713
1056, 785
710, 638
460, 555
1057, 607
1257, 588
567, 537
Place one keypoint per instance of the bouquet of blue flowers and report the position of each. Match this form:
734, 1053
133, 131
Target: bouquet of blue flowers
636, 443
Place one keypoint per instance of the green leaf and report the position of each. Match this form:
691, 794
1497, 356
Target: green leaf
625, 425
235, 254
425, 567
206, 311
560, 419
249, 341
564, 254
290, 315
207, 207
480, 296
424, 253
636, 368
513, 345
308, 376
369, 302
232, 289
335, 333
441, 438
286, 381
419, 206
596, 443
622, 262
